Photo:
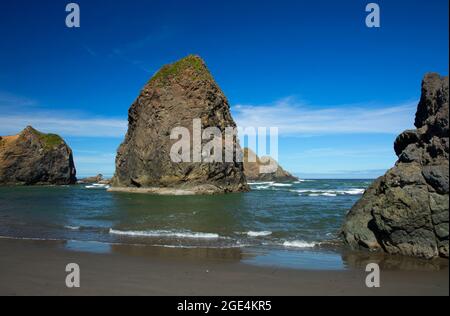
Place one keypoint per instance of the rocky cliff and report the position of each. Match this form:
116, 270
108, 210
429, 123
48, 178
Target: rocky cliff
177, 95
252, 169
32, 157
406, 211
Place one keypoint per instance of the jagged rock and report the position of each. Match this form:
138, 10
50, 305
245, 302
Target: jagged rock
252, 169
97, 179
174, 97
32, 157
406, 211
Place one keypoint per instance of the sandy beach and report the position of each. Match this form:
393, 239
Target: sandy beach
38, 268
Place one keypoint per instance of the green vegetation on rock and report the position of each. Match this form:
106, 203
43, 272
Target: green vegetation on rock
191, 62
49, 141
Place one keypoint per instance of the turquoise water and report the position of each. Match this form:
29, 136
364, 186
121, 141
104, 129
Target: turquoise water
302, 215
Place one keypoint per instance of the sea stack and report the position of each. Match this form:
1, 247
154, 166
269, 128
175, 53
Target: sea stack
253, 164
32, 157
406, 211
178, 94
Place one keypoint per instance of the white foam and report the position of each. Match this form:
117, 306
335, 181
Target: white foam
329, 193
282, 185
72, 227
164, 233
299, 244
97, 186
302, 180
258, 234
261, 183
355, 191
29, 238
262, 187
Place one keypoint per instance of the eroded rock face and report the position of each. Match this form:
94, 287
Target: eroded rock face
406, 211
252, 169
32, 157
178, 94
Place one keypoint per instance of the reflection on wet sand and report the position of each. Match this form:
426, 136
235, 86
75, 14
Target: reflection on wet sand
210, 254
359, 260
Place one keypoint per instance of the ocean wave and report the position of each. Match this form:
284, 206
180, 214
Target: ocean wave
262, 187
329, 193
299, 244
302, 180
258, 234
72, 227
282, 185
97, 186
165, 234
30, 238
269, 185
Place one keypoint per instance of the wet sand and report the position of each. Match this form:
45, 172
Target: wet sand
38, 268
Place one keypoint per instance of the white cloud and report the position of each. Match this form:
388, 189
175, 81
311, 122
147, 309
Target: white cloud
360, 153
64, 125
297, 119
291, 117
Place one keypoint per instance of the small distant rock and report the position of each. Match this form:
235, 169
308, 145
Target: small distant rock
252, 169
32, 157
97, 179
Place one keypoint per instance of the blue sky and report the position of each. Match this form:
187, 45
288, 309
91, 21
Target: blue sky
339, 91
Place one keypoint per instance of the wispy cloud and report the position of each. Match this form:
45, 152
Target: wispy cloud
64, 125
299, 119
96, 159
8, 100
360, 153
17, 112
291, 117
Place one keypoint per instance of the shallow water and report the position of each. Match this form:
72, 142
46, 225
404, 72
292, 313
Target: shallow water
280, 219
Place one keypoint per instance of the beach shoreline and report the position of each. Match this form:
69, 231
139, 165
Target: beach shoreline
32, 267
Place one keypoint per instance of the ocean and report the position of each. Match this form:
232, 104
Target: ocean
293, 219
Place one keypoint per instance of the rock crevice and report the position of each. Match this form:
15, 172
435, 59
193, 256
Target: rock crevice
407, 210
176, 96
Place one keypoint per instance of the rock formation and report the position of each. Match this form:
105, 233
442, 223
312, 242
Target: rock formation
406, 211
32, 157
252, 169
97, 179
176, 96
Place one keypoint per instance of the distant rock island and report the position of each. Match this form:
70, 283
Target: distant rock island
252, 169
407, 210
32, 157
176, 95
99, 179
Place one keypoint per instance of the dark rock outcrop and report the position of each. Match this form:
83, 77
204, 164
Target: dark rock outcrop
32, 157
176, 95
253, 164
406, 211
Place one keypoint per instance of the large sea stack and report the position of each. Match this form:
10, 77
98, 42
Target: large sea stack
253, 165
406, 211
32, 157
177, 95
